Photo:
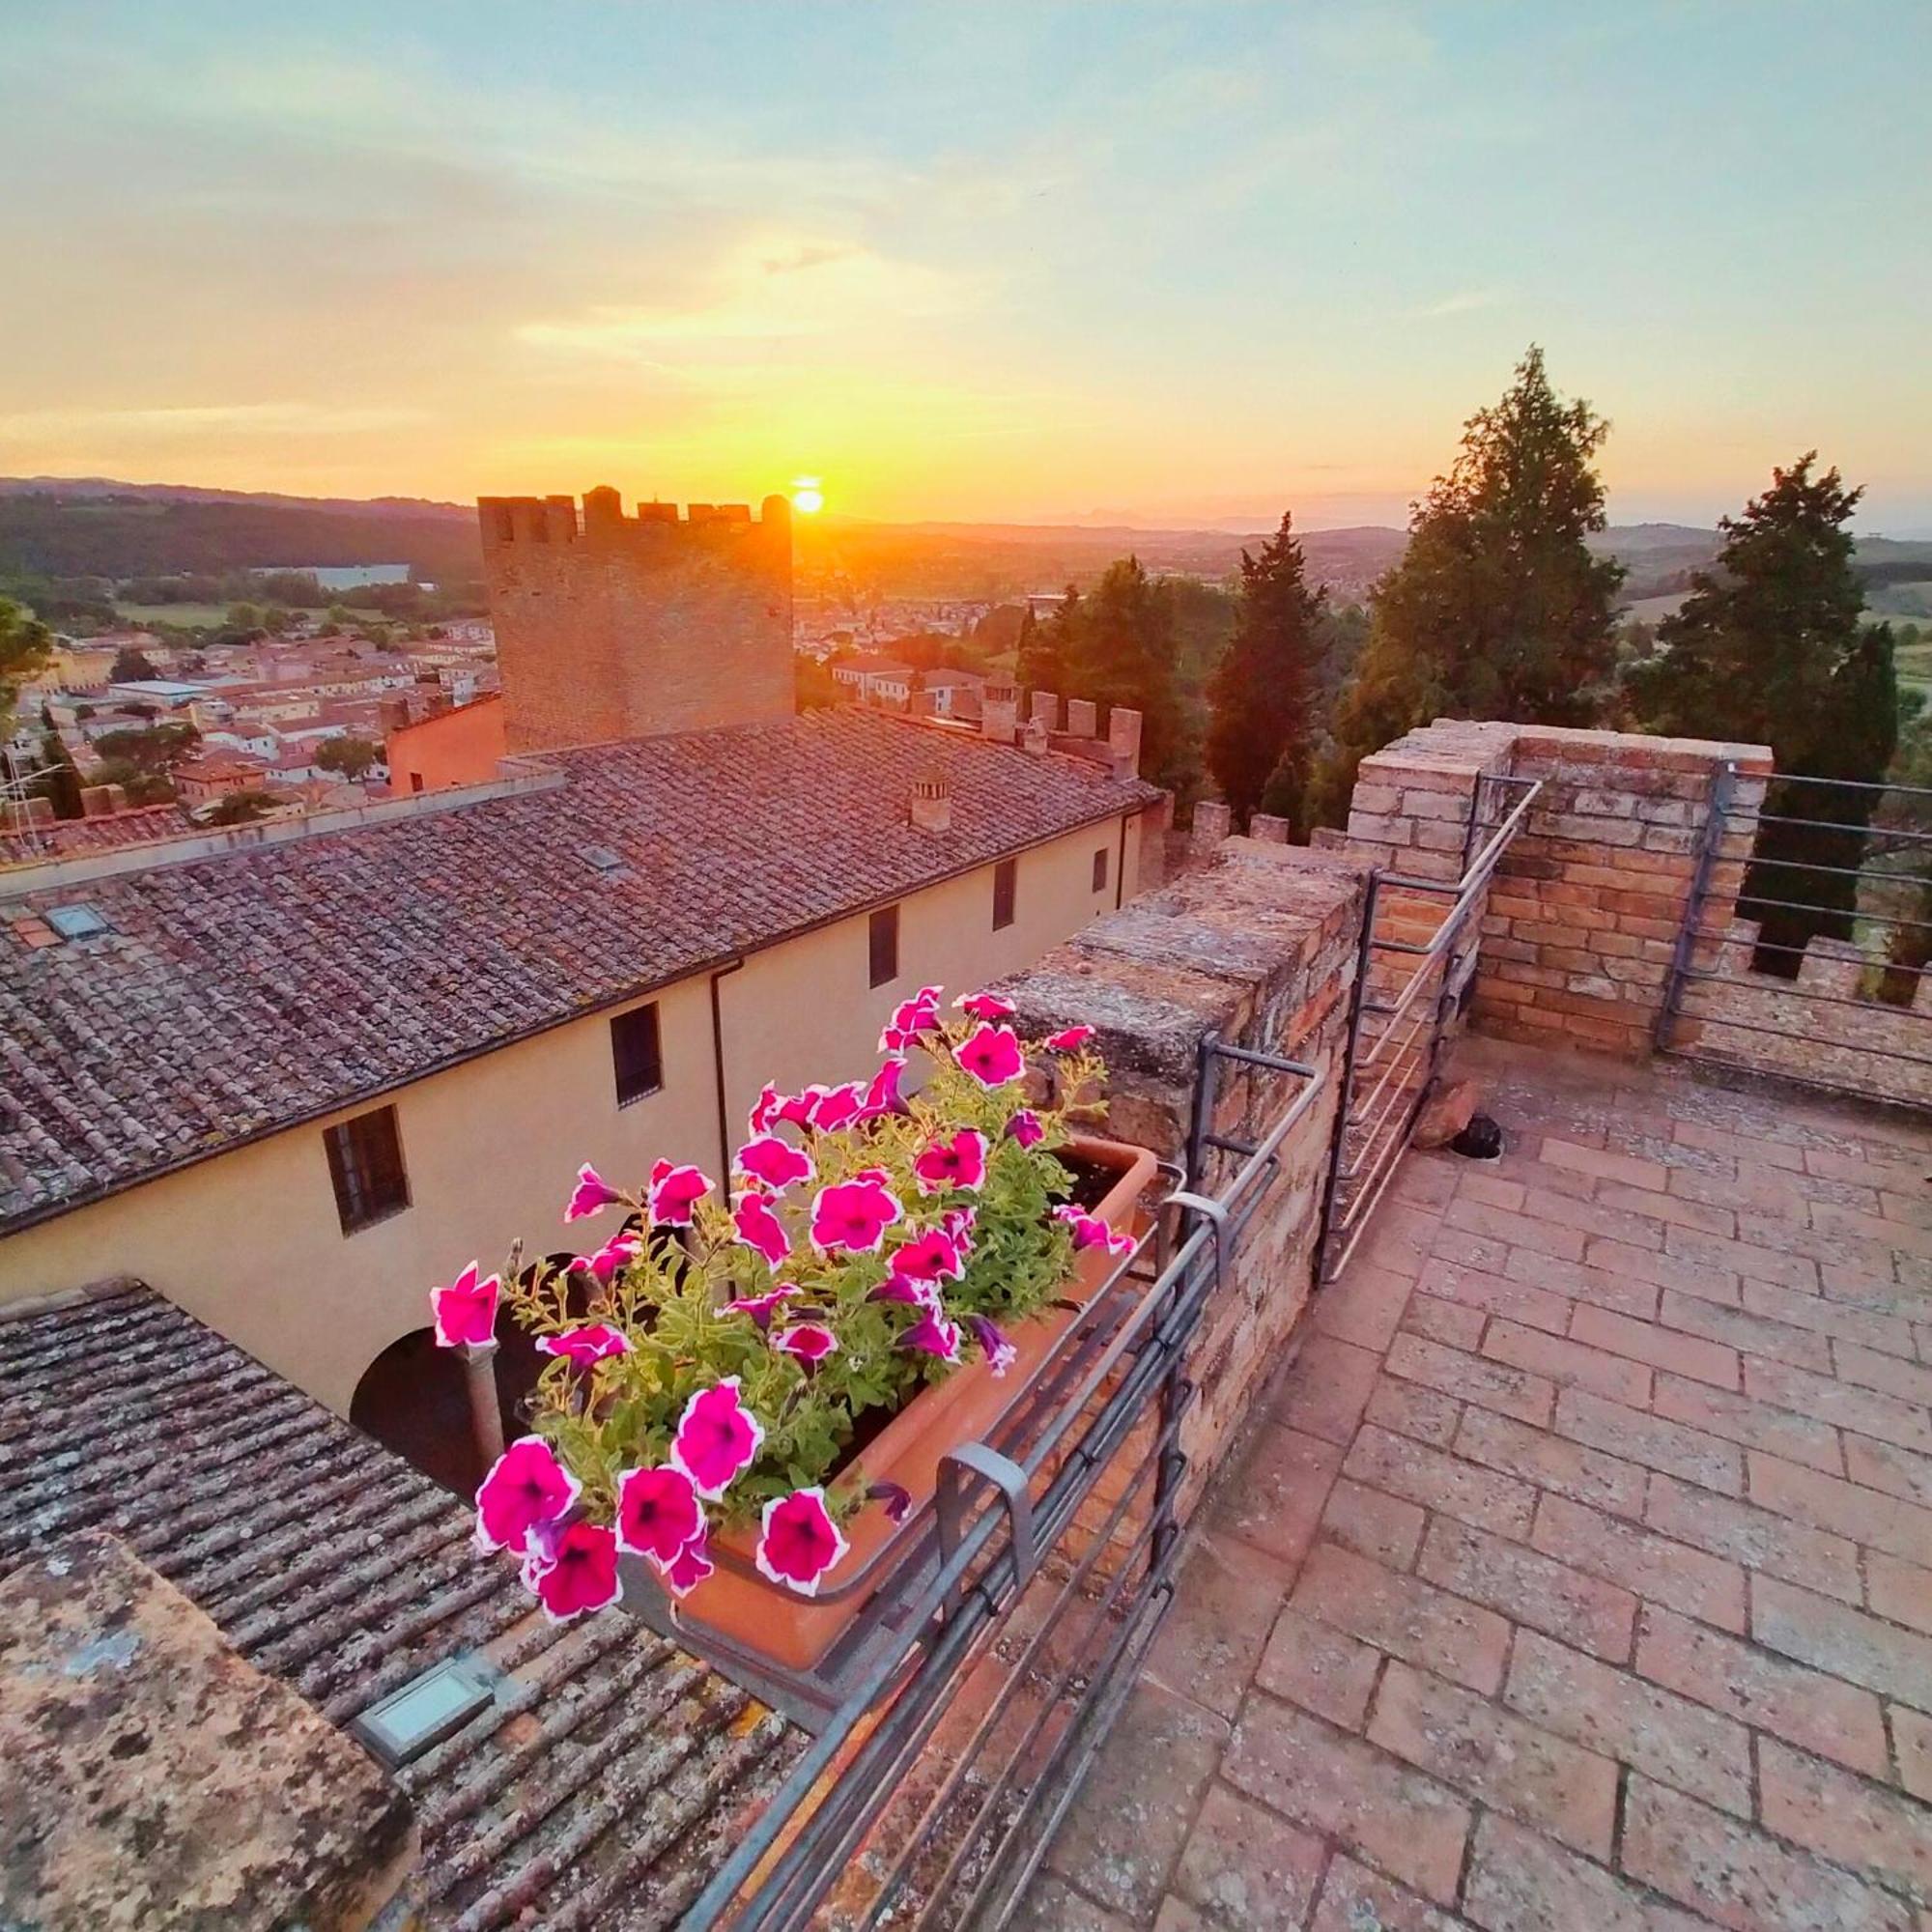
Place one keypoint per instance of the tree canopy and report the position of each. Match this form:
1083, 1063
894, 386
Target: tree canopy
25, 645
348, 755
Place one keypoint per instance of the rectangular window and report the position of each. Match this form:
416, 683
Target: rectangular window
1006, 883
1100, 869
416, 782
637, 1053
365, 1162
884, 937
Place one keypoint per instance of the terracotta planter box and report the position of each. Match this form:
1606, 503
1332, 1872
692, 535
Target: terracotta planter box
795, 1631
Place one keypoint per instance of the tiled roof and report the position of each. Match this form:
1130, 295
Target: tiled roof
603, 1789
70, 838
244, 992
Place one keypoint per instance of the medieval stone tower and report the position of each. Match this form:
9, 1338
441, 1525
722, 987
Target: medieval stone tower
628, 627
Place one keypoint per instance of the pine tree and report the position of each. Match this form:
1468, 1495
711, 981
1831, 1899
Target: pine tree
1499, 608
1045, 648
1768, 650
1262, 692
1119, 649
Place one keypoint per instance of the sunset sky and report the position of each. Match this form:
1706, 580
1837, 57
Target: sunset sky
1184, 263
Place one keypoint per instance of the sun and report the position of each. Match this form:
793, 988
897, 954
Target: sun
807, 497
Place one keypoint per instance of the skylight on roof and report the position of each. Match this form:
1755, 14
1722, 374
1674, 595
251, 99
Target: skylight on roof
429, 1708
75, 922
603, 859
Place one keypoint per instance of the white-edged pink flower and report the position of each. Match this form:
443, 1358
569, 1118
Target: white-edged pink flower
1069, 1039
717, 1440
895, 1497
465, 1311
904, 1288
932, 1256
674, 1192
612, 1258
691, 1566
759, 1229
911, 1018
985, 1005
795, 1109
760, 1307
990, 1055
1000, 1354
525, 1486
798, 1541
1027, 1127
836, 1107
1091, 1232
959, 1223
932, 1334
765, 1112
853, 1215
957, 1161
579, 1574
592, 1194
774, 1162
882, 1096
808, 1342
583, 1346
658, 1512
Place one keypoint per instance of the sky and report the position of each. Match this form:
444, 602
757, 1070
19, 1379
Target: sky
1177, 264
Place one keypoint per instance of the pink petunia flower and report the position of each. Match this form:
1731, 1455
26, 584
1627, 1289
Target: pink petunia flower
895, 1497
795, 1109
717, 1439
777, 1163
674, 1192
808, 1342
1069, 1039
991, 1055
465, 1311
759, 1307
1091, 1232
612, 1258
932, 1334
1000, 1354
760, 1228
836, 1107
582, 1346
691, 1566
581, 1575
593, 1194
882, 1096
959, 1162
1027, 1127
526, 1486
959, 1223
765, 1113
658, 1512
853, 1215
932, 1256
798, 1541
904, 1288
985, 1005
911, 1018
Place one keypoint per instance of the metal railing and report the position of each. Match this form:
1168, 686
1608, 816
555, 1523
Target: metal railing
1812, 967
1406, 990
1098, 1451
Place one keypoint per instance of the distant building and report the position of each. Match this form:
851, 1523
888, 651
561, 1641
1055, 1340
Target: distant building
953, 693
207, 781
353, 576
877, 680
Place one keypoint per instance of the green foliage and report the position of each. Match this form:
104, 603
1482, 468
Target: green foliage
1768, 650
814, 688
1264, 691
350, 756
133, 666
1045, 647
1497, 609
153, 749
239, 807
25, 645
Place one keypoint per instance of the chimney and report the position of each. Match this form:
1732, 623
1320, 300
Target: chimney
1034, 737
999, 714
117, 797
1083, 718
931, 804
94, 801
1045, 709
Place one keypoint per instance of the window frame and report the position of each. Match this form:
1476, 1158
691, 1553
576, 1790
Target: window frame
1006, 893
357, 1179
1102, 867
645, 1013
882, 923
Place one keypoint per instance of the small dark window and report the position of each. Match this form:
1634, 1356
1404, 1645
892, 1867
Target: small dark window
1100, 869
365, 1162
637, 1053
416, 782
1006, 880
884, 936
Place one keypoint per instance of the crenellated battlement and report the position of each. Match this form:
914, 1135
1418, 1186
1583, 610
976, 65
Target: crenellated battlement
556, 521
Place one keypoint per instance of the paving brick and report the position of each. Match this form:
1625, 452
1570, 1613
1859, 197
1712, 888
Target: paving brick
1567, 1364
1883, 1333
1870, 1369
1758, 1538
1446, 1322
1899, 1590
1397, 1818
1052, 1905
1411, 1409
1491, 1190
1756, 1425
1421, 1474
1176, 1915
1738, 1877
1520, 1881
1319, 1668
1276, 1499
1652, 1440
1594, 1218
1658, 1570
1659, 1346
1551, 1462
1355, 1899
1602, 1164
1846, 1642
1846, 1820
1404, 1616
1246, 1867
1742, 1258
1216, 1633
1846, 1509
1323, 1394
1364, 1306
1580, 1281
1530, 1589
1493, 1295
1898, 1472
1841, 1405
1750, 1334
1912, 1743
1476, 1746
1691, 1276
1383, 1527
1454, 1245
1519, 1231
1473, 1378
1610, 1712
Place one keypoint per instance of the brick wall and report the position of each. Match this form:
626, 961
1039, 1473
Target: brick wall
621, 627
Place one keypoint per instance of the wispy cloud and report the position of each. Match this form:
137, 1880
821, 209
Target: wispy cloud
1465, 301
233, 418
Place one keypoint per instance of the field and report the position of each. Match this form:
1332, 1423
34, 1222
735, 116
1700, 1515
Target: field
187, 617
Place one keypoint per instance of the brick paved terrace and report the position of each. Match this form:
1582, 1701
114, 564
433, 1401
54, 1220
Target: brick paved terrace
1579, 1573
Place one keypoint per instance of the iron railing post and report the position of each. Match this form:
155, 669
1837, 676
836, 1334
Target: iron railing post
1344, 1098
1708, 846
